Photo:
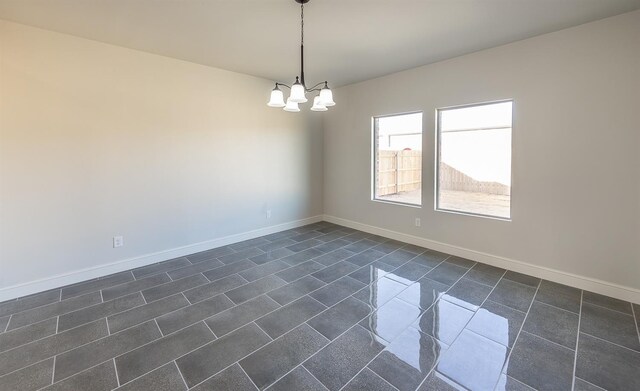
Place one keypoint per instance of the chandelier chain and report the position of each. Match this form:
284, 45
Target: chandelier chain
302, 23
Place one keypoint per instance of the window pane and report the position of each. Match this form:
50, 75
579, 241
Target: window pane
398, 158
474, 171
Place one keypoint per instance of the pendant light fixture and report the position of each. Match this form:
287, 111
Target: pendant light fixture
299, 89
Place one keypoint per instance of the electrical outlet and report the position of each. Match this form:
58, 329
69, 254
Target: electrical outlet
269, 214
417, 221
118, 241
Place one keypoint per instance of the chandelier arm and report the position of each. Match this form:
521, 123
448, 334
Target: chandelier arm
282, 84
314, 87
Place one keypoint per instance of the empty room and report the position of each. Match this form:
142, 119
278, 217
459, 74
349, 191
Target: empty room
320, 195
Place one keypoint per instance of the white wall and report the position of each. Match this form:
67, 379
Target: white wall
98, 140
576, 153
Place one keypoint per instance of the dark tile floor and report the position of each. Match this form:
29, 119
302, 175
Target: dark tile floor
315, 308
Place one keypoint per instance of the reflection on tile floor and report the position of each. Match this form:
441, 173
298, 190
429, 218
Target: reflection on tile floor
315, 308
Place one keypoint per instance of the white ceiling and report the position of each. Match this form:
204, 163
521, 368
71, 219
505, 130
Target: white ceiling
346, 41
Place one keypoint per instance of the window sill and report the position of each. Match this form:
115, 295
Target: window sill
471, 214
397, 203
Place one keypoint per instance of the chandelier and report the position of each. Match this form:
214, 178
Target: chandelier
299, 89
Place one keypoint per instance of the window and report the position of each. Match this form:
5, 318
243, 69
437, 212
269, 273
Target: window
474, 159
397, 158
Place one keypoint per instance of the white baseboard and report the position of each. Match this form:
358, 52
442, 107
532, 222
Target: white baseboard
59, 280
574, 280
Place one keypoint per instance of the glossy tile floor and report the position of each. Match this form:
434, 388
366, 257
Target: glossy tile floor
315, 308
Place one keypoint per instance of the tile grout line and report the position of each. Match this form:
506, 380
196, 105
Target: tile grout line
75, 374
159, 329
171, 282
517, 381
53, 370
248, 377
264, 331
515, 341
548, 340
611, 309
306, 370
559, 308
19, 369
115, 369
376, 375
506, 306
212, 332
189, 301
318, 301
181, 376
635, 318
598, 387
612, 343
575, 357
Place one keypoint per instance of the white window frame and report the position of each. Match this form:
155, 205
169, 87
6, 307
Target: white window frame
438, 140
374, 146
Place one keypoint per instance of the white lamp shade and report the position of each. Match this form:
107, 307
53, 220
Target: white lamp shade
291, 106
277, 99
326, 97
317, 105
297, 93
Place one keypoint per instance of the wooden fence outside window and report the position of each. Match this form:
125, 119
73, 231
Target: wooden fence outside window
401, 171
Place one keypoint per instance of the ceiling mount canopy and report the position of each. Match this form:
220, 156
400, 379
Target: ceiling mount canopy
299, 89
